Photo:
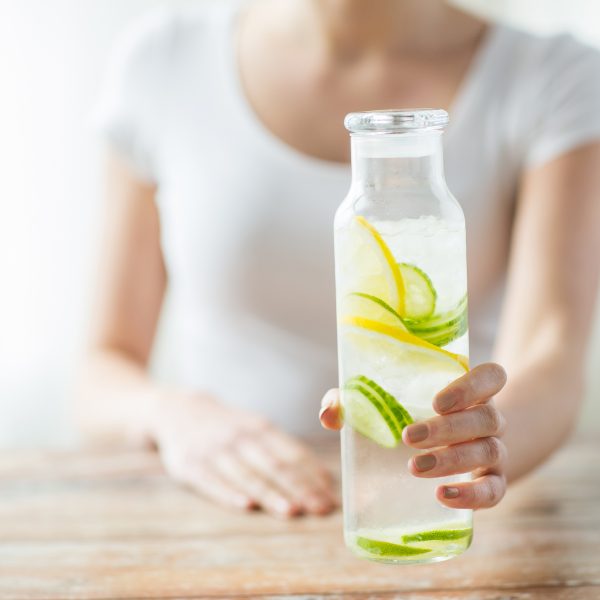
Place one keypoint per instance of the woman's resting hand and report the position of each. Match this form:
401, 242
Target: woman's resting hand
466, 436
238, 459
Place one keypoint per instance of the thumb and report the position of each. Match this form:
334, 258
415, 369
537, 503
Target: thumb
331, 413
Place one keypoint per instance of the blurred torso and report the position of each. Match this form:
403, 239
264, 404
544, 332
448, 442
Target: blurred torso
243, 134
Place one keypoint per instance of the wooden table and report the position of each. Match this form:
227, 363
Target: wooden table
109, 525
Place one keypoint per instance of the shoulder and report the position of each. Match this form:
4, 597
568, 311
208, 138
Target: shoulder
161, 36
547, 89
560, 51
140, 82
539, 61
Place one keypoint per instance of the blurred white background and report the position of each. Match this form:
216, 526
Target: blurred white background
52, 57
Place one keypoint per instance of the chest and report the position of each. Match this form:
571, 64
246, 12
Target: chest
305, 105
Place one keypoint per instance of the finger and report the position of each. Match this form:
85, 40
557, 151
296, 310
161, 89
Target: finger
475, 387
459, 458
211, 485
292, 467
321, 478
479, 421
483, 492
331, 414
304, 485
263, 493
286, 449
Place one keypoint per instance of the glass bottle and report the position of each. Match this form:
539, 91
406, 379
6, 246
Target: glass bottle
401, 284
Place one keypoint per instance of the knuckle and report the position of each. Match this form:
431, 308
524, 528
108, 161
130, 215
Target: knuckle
492, 420
444, 427
493, 450
452, 456
491, 491
455, 392
435, 427
481, 492
501, 423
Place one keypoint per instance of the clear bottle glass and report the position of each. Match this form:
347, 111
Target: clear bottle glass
401, 286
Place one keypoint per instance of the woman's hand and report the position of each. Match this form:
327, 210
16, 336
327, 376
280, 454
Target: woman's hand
238, 459
466, 436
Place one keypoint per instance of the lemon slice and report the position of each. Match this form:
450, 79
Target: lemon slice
415, 369
375, 271
401, 344
370, 307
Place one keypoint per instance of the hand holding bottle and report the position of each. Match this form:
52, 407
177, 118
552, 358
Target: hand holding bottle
466, 436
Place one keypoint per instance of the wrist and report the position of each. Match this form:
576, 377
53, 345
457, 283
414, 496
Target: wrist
158, 399
165, 401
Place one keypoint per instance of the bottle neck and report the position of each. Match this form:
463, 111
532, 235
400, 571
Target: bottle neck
398, 161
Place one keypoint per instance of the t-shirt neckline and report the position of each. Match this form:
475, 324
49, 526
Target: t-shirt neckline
271, 142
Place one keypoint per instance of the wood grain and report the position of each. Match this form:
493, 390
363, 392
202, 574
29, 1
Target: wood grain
109, 525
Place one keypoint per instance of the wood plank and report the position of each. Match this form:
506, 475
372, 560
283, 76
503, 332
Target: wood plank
304, 564
544, 593
104, 525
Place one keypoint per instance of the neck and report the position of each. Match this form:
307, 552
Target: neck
398, 26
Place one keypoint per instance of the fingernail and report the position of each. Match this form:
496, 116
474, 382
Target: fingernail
417, 433
451, 492
447, 401
424, 462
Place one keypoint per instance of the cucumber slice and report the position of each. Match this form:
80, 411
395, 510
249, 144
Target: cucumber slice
438, 534
373, 412
387, 549
365, 414
444, 337
370, 307
401, 415
441, 329
440, 320
420, 298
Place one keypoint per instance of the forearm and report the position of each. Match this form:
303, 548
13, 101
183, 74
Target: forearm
540, 403
116, 398
552, 282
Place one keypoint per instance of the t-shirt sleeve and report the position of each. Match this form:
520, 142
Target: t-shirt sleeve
130, 109
566, 107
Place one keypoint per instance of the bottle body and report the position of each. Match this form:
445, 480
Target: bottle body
401, 287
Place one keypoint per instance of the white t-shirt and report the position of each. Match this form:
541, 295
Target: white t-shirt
247, 221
